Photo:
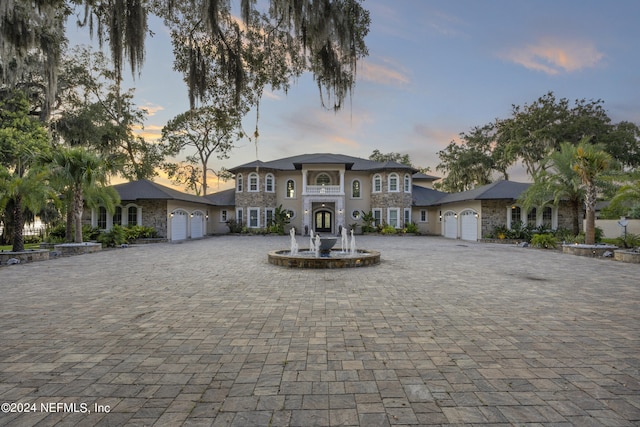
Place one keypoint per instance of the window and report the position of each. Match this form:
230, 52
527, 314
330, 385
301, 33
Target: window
355, 189
323, 179
532, 217
393, 217
407, 216
355, 214
253, 182
268, 216
268, 183
223, 215
291, 214
516, 215
393, 182
407, 183
377, 183
423, 216
102, 218
377, 216
291, 189
117, 216
239, 183
254, 217
239, 216
547, 218
132, 216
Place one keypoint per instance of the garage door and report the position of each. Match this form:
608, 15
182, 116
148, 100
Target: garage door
197, 225
450, 225
179, 225
468, 226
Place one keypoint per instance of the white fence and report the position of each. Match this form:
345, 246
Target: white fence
612, 229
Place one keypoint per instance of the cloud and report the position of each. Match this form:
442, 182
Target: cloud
387, 74
149, 132
553, 56
151, 109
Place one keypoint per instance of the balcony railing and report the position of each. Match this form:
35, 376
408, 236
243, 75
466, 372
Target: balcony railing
322, 189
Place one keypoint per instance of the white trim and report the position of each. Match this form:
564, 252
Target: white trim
249, 186
376, 177
224, 215
407, 218
359, 189
397, 222
239, 183
251, 210
406, 183
267, 178
377, 221
286, 189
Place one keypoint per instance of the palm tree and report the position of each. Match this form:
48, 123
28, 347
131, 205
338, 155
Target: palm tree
557, 181
21, 193
78, 171
589, 163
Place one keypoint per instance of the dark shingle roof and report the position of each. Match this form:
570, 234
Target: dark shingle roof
425, 196
424, 176
296, 162
145, 189
223, 198
502, 190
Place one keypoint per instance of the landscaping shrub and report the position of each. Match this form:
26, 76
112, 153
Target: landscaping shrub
546, 241
134, 232
114, 237
388, 229
234, 226
628, 241
412, 228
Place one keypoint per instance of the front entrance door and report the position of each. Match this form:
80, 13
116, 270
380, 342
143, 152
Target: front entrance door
323, 222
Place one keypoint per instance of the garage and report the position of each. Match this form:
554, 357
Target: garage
469, 225
178, 225
197, 225
450, 225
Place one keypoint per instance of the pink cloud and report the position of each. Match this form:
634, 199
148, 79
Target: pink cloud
554, 56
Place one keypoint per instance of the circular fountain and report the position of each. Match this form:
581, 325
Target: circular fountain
321, 254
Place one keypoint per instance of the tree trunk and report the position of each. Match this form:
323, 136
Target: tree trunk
68, 232
590, 202
77, 213
18, 225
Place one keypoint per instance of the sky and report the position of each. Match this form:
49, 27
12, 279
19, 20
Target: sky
435, 69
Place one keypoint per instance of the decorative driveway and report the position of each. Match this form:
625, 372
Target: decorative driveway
207, 333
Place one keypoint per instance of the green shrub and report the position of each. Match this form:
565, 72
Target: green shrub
56, 234
90, 233
234, 226
546, 241
412, 228
628, 241
114, 237
134, 232
388, 229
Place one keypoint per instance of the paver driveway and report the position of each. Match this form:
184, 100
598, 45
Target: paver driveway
208, 333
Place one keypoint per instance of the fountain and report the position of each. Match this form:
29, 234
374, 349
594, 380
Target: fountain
321, 254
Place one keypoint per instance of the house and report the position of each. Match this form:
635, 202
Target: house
174, 215
325, 192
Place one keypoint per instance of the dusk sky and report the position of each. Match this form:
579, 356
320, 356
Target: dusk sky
435, 69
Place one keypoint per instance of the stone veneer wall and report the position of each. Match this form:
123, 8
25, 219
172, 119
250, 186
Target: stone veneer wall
385, 199
494, 213
154, 214
259, 199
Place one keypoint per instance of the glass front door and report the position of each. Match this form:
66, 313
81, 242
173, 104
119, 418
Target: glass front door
323, 222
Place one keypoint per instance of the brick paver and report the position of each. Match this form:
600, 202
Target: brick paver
207, 333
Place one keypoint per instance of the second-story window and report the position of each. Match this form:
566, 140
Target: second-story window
393, 182
407, 183
268, 183
323, 179
355, 189
291, 189
253, 182
377, 183
239, 183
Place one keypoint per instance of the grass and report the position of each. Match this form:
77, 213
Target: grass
26, 246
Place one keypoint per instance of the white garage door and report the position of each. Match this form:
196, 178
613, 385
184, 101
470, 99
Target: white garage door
468, 226
197, 225
450, 225
179, 225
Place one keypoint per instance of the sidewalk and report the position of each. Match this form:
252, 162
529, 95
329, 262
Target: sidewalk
207, 333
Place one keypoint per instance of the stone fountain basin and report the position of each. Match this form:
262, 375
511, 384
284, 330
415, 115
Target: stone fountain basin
362, 258
326, 243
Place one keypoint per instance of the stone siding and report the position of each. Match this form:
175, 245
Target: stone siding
154, 214
494, 214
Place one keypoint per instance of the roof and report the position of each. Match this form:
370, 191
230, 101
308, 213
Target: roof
425, 196
296, 162
223, 198
498, 190
424, 176
145, 189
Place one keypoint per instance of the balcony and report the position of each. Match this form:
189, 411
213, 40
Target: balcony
323, 190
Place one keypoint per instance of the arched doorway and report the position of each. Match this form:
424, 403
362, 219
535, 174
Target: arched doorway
323, 221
